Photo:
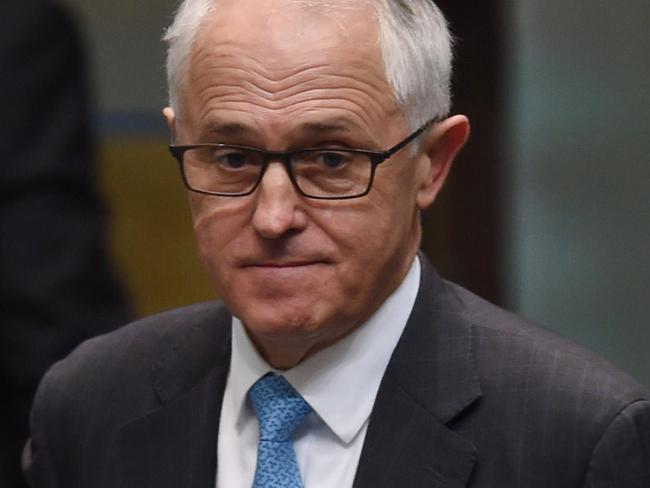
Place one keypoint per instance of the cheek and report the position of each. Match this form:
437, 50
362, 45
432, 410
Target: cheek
386, 233
217, 225
366, 238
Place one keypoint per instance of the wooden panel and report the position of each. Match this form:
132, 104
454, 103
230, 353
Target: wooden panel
151, 235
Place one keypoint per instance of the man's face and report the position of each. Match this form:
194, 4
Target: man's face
279, 77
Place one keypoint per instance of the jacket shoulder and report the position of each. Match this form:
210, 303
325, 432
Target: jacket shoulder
141, 343
85, 400
546, 399
118, 369
510, 341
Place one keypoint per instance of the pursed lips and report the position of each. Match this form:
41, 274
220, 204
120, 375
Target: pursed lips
282, 264
284, 273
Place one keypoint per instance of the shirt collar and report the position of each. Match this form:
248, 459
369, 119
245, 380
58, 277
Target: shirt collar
339, 382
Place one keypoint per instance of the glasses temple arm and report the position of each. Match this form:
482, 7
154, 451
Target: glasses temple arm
410, 138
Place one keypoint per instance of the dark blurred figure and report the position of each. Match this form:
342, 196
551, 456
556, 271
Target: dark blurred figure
56, 288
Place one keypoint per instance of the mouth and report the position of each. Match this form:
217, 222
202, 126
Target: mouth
280, 279
282, 264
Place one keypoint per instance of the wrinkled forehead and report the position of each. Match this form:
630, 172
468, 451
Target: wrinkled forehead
285, 54
278, 30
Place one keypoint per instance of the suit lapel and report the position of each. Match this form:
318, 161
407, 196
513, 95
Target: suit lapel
176, 444
430, 380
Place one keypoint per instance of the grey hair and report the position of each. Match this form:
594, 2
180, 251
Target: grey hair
414, 37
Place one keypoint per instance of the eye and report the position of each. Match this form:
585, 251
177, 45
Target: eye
230, 159
333, 160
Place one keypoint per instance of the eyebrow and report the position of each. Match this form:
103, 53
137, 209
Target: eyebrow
226, 129
336, 125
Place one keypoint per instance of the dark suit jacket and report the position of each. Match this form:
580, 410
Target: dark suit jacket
473, 396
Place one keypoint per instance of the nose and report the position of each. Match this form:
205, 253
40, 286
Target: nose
278, 208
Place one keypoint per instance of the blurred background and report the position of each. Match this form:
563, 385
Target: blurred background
548, 209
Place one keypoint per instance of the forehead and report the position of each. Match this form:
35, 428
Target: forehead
284, 54
279, 25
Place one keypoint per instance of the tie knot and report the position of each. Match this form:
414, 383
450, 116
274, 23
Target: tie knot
279, 408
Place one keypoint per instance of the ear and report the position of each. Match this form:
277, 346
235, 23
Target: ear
168, 112
439, 149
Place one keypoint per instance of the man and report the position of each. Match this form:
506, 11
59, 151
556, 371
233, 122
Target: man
311, 134
56, 285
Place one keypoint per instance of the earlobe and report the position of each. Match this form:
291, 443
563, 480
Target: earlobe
170, 117
440, 148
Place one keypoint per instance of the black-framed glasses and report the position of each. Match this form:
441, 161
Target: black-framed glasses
327, 173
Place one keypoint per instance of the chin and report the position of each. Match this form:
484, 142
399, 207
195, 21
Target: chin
280, 325
273, 320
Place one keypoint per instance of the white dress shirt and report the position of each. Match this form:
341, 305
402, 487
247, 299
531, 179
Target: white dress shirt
339, 382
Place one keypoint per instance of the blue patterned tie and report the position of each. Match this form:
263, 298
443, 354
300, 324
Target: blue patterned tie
280, 409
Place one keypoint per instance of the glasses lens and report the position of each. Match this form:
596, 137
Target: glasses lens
222, 169
332, 173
